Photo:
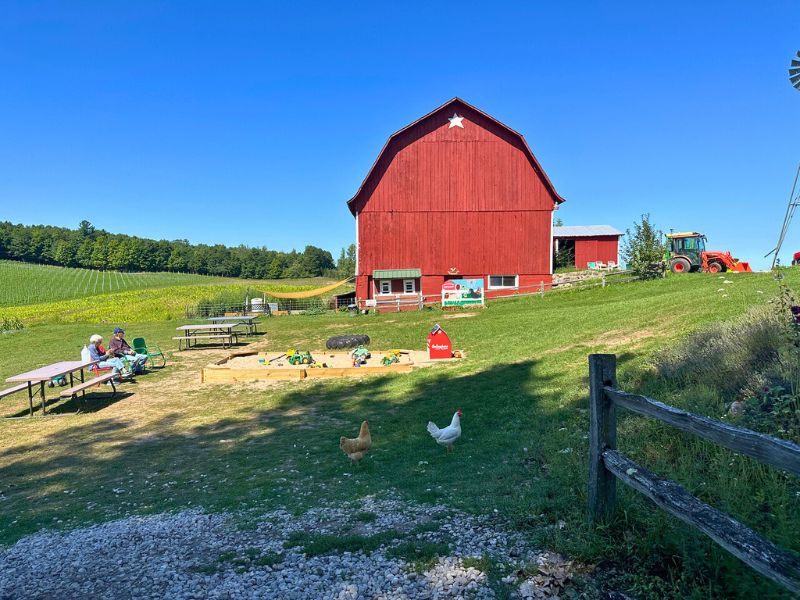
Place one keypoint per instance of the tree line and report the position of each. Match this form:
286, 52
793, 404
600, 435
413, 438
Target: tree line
92, 248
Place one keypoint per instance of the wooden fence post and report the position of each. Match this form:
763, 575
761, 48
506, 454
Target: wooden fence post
602, 436
541, 289
604, 279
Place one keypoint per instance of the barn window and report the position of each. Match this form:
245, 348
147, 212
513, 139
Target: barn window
502, 281
409, 286
385, 286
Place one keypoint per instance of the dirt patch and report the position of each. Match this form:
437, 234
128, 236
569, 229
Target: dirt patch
460, 315
612, 340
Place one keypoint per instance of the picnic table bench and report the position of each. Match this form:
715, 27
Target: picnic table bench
210, 331
13, 390
84, 385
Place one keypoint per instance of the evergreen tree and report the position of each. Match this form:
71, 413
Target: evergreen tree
346, 267
643, 250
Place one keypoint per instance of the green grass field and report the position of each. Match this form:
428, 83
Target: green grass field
25, 284
171, 443
39, 294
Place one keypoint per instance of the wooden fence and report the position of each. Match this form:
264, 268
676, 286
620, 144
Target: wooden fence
606, 465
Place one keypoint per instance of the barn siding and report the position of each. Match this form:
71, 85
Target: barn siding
489, 243
600, 248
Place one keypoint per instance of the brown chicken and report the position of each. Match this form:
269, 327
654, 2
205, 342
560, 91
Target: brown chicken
356, 448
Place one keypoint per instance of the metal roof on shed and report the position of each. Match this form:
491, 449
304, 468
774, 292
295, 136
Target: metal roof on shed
576, 231
396, 273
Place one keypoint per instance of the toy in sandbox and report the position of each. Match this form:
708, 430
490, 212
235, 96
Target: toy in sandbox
360, 356
299, 358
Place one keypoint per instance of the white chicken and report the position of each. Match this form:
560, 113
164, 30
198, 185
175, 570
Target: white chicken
447, 437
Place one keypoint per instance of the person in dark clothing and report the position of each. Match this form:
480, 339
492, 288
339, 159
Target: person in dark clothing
119, 347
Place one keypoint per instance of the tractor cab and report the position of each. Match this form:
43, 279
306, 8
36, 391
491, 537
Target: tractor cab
685, 251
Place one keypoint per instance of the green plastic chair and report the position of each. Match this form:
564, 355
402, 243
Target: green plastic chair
140, 347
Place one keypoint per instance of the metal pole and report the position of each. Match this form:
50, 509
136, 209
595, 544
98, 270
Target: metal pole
786, 219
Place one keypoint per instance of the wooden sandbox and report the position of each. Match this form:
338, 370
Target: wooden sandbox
245, 366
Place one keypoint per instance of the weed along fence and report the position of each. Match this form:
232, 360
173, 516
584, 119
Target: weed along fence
606, 465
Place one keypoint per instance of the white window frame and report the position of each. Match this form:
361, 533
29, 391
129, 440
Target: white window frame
413, 283
380, 283
503, 287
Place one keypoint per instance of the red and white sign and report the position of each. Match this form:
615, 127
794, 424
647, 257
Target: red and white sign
439, 344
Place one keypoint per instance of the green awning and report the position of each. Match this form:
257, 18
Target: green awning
396, 273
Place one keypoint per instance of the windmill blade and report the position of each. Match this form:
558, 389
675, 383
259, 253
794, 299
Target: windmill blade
794, 71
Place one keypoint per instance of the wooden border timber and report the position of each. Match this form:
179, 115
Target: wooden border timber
606, 465
217, 372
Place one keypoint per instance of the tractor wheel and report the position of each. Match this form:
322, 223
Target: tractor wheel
715, 267
346, 341
680, 265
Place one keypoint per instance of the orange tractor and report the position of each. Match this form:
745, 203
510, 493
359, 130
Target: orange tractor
686, 251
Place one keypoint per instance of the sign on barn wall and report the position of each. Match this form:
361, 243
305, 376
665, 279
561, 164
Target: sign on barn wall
462, 292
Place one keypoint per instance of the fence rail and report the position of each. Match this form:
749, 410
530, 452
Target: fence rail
606, 465
268, 307
397, 302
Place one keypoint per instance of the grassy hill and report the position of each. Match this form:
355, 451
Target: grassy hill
175, 443
39, 294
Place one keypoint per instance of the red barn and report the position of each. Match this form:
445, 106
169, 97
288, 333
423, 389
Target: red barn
588, 243
454, 195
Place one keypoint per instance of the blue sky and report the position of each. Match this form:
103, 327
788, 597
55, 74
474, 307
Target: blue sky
253, 122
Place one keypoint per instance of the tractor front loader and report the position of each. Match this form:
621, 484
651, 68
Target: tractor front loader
686, 251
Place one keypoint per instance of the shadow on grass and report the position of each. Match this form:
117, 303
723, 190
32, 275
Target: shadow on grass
283, 451
95, 400
522, 453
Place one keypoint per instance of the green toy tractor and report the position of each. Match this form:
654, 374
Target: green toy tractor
299, 358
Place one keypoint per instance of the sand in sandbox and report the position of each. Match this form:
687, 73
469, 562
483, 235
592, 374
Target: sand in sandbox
332, 359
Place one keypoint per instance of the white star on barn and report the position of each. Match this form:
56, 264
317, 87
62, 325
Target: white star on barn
455, 121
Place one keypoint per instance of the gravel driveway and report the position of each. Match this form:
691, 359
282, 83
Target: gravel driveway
197, 555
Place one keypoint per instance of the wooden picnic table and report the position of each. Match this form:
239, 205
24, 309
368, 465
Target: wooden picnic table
248, 321
48, 372
207, 331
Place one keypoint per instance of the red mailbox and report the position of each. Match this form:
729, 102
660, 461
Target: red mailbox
439, 345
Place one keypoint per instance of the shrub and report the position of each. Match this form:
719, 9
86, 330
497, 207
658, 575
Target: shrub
644, 249
734, 357
774, 409
754, 360
10, 324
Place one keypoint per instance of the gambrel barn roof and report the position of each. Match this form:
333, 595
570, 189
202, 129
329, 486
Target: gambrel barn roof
392, 146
